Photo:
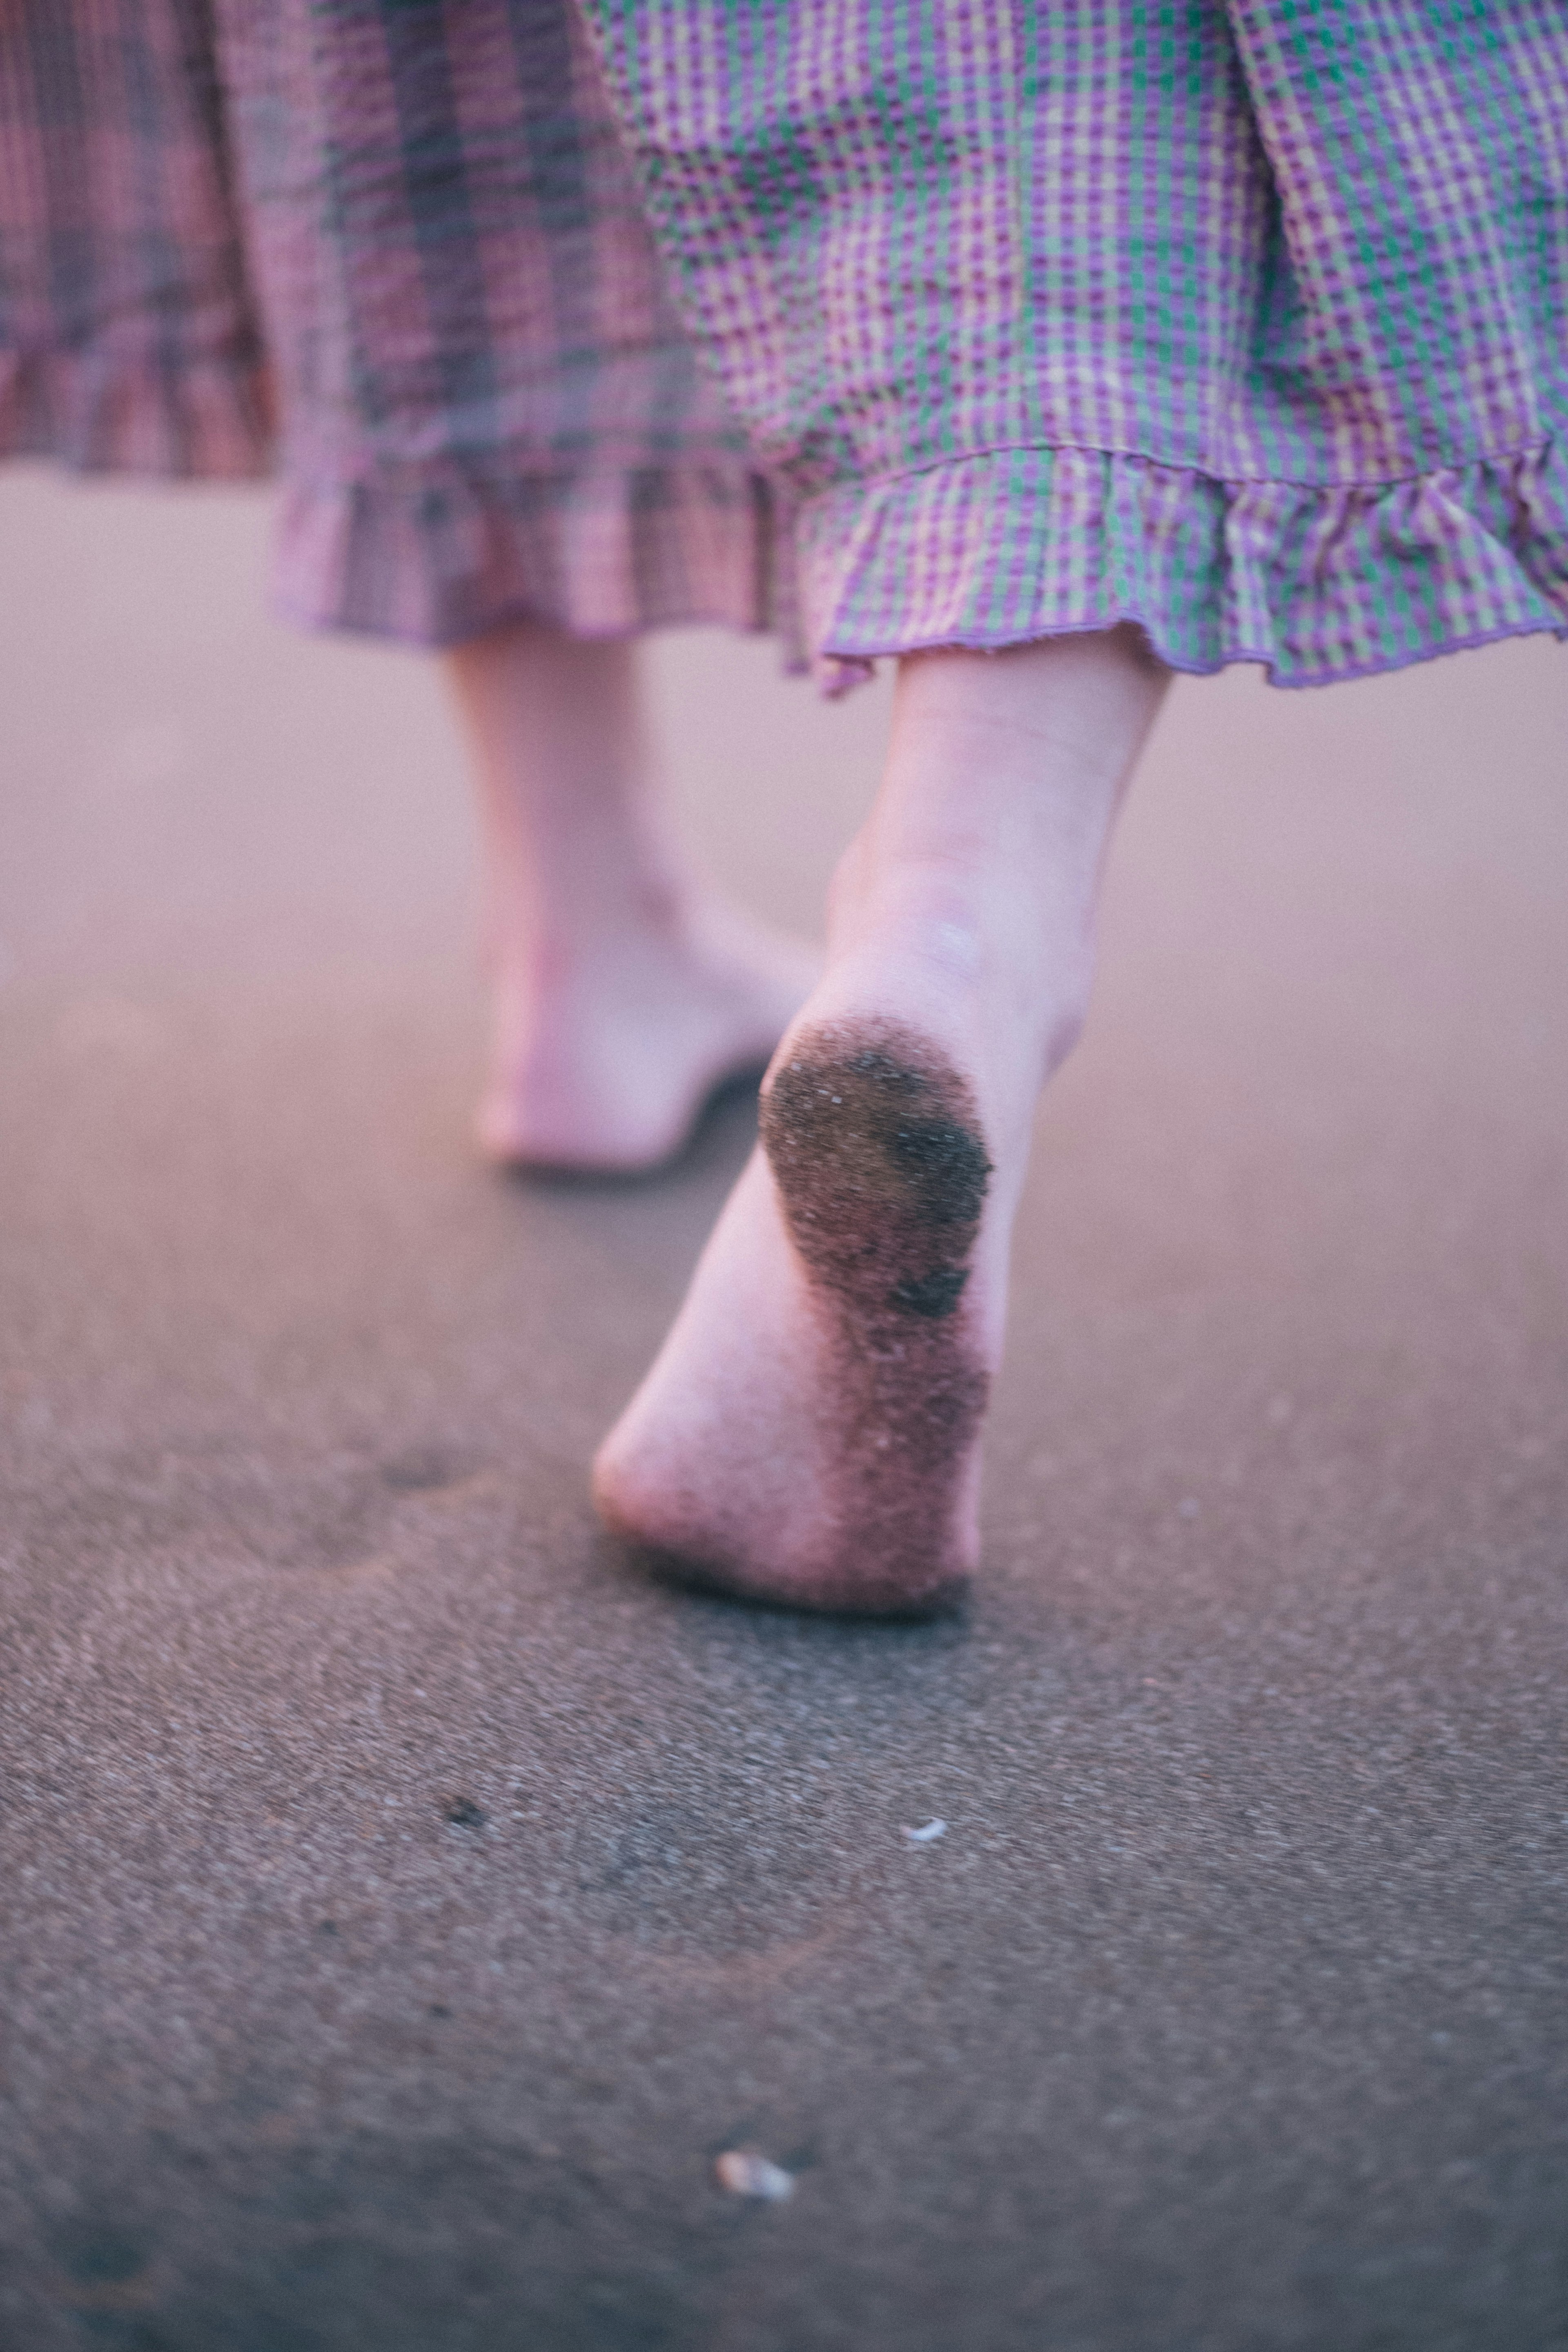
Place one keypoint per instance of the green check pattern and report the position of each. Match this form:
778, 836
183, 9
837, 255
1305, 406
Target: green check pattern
1246, 319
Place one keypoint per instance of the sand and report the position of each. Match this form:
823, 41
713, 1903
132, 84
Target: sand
406, 1904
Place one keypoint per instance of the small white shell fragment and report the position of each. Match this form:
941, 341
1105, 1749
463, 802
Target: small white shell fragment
745, 2175
928, 1835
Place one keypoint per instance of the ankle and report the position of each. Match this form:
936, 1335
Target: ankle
553, 942
970, 958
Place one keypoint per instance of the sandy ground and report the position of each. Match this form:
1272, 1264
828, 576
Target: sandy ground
404, 1904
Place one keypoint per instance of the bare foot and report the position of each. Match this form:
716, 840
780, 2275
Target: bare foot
810, 1432
603, 1053
624, 989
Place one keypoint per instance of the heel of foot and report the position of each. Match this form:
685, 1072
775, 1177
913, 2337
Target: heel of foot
809, 1435
880, 1165
875, 1147
824, 1594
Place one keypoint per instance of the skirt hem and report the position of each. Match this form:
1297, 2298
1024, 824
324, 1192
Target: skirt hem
1316, 584
98, 410
450, 555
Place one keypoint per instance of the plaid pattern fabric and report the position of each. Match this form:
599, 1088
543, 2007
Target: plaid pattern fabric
126, 337
1247, 319
489, 406
486, 406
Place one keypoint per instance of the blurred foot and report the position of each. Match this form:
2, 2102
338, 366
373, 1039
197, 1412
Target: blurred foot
623, 990
606, 1049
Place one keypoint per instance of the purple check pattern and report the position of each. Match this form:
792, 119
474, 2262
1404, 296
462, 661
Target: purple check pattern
420, 211
1247, 319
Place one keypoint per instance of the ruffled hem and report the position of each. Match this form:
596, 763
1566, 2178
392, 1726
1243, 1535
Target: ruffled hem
100, 411
450, 555
1316, 584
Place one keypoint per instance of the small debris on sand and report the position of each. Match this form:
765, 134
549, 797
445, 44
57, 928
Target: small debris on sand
745, 2175
928, 1835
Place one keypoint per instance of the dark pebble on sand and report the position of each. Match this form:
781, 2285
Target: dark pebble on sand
464, 1814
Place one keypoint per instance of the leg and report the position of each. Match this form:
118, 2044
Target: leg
625, 989
810, 1432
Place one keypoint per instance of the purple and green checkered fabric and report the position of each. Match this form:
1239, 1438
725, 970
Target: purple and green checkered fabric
1247, 319
420, 212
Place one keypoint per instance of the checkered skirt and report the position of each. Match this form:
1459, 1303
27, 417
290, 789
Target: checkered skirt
1247, 319
391, 247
